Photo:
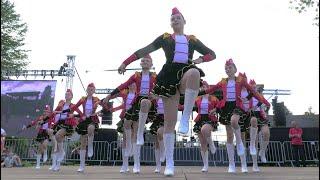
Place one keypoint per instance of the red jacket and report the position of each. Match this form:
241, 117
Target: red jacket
39, 119
212, 103
262, 112
124, 95
95, 102
296, 140
136, 78
240, 83
71, 121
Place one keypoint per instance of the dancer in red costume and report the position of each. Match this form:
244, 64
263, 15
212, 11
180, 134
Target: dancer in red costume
232, 108
88, 124
64, 126
44, 125
206, 122
179, 75
142, 106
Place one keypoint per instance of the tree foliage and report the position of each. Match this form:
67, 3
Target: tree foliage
307, 5
13, 31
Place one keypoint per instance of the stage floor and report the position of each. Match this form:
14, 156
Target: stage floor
182, 172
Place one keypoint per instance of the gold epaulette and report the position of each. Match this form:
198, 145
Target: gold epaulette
166, 35
192, 37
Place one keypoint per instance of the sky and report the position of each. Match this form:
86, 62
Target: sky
270, 42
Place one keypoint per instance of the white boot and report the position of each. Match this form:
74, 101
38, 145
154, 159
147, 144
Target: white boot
189, 99
243, 160
162, 151
82, 160
128, 142
61, 153
125, 162
158, 162
57, 167
90, 146
205, 160
240, 146
232, 165
142, 121
263, 148
54, 161
132, 150
45, 156
169, 148
212, 147
255, 167
38, 161
136, 159
54, 143
253, 136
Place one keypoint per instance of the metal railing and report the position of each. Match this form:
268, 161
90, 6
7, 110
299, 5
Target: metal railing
104, 152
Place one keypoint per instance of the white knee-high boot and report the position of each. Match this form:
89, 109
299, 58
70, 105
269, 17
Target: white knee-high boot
61, 153
169, 148
82, 160
128, 142
189, 99
38, 161
211, 145
45, 155
142, 121
90, 145
158, 162
54, 161
243, 160
125, 162
162, 151
255, 167
205, 161
253, 137
263, 147
232, 165
136, 158
240, 146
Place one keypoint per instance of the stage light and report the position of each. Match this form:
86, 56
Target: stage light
52, 74
17, 74
25, 74
43, 73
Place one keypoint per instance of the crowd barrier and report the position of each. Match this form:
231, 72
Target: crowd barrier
278, 153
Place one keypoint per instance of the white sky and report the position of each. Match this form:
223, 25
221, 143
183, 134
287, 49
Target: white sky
267, 40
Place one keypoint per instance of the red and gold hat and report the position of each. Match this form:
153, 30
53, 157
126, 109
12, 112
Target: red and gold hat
176, 11
70, 91
91, 85
252, 82
229, 62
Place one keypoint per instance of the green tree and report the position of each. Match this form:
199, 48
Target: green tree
13, 31
303, 6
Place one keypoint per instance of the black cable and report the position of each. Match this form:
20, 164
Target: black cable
80, 79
